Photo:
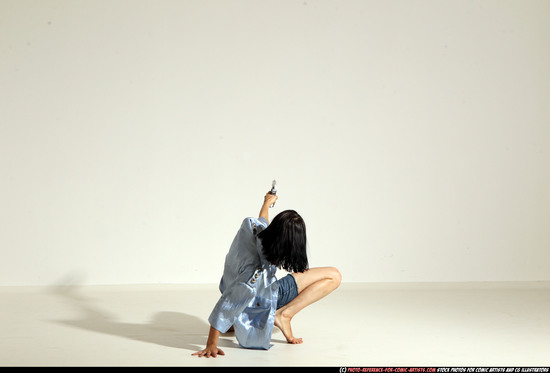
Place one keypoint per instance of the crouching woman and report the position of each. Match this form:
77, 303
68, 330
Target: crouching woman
253, 300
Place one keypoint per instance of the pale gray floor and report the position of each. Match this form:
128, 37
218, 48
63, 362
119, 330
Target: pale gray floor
441, 324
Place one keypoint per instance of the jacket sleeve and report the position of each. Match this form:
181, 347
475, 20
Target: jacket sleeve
263, 222
241, 293
230, 305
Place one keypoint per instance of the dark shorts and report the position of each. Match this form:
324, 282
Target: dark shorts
288, 290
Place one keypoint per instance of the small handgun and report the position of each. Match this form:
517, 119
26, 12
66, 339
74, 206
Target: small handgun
273, 190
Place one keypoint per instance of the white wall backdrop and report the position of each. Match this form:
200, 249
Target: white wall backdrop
412, 136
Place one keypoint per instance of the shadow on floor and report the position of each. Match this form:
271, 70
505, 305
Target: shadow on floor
171, 329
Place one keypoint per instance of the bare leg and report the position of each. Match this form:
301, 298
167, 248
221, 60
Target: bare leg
313, 284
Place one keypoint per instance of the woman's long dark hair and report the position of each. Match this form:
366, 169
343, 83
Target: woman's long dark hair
284, 242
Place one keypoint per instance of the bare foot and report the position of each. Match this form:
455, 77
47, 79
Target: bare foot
283, 322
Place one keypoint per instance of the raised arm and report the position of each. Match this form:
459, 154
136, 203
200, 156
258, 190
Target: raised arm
269, 200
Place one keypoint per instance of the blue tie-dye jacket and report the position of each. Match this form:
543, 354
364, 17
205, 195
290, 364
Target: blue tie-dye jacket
249, 289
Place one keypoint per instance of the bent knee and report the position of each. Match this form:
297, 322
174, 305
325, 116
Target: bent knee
335, 275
